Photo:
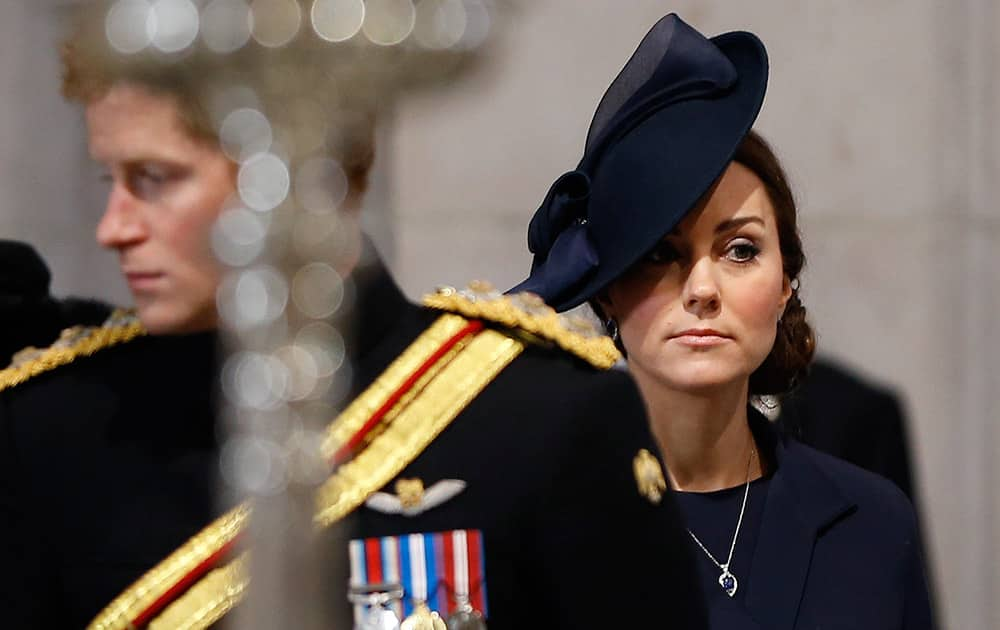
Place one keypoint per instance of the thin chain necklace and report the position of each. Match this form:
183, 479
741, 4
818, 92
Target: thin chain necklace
727, 580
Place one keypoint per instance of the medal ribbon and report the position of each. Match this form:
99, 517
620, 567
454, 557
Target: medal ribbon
440, 569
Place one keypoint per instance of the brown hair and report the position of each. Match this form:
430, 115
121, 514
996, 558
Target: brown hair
795, 342
193, 80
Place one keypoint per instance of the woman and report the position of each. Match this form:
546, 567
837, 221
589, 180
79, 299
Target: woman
679, 228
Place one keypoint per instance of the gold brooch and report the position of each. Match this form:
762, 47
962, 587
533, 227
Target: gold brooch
412, 498
410, 493
649, 476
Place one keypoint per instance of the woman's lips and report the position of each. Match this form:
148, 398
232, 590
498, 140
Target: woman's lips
700, 338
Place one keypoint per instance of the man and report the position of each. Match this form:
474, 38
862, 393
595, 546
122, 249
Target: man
506, 477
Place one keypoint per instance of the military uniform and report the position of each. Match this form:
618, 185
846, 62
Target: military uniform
29, 316
110, 462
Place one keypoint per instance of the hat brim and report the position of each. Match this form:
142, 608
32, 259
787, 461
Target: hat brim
652, 185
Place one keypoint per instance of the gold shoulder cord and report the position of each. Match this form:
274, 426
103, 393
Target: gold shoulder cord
415, 422
528, 313
78, 341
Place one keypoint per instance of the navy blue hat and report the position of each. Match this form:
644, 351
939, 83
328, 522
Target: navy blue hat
664, 132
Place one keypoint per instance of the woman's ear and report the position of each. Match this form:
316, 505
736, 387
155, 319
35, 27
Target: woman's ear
787, 287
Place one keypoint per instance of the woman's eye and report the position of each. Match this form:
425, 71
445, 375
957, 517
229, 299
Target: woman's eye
663, 254
742, 250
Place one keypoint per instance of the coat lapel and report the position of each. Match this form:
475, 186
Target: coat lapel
801, 503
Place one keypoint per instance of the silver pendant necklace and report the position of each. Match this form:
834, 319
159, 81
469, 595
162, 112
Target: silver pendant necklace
727, 580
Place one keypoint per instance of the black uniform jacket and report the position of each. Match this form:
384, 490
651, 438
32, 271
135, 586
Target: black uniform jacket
29, 315
838, 548
110, 463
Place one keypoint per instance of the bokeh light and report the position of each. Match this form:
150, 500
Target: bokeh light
313, 234
226, 25
312, 121
252, 297
317, 290
320, 185
303, 373
244, 133
337, 20
440, 23
389, 22
253, 380
275, 22
326, 345
175, 25
477, 25
305, 457
238, 236
254, 465
263, 181
127, 25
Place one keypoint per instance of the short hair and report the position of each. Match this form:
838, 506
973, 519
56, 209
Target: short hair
91, 66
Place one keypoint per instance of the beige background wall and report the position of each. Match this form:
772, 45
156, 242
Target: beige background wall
884, 112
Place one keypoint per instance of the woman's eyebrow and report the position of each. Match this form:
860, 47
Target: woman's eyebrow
732, 224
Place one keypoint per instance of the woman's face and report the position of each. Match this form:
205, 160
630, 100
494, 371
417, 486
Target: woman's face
701, 310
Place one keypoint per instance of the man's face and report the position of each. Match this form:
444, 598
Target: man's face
167, 189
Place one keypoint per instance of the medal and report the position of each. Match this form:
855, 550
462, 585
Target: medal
379, 618
423, 618
466, 617
372, 606
432, 581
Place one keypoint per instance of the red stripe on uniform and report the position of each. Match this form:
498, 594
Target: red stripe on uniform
182, 584
477, 580
345, 451
373, 560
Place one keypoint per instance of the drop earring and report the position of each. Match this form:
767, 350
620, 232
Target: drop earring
612, 327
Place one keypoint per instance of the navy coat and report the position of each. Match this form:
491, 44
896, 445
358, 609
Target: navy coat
838, 548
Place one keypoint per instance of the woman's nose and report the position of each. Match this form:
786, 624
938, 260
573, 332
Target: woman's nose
701, 291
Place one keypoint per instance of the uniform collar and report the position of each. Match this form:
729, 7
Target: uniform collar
380, 307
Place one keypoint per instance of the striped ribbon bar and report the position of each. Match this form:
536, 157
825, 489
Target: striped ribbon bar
441, 569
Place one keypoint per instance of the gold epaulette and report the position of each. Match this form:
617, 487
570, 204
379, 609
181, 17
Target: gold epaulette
528, 313
416, 412
78, 341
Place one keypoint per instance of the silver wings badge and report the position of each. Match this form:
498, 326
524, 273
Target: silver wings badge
412, 499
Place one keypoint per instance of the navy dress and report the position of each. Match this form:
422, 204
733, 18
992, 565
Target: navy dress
824, 544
